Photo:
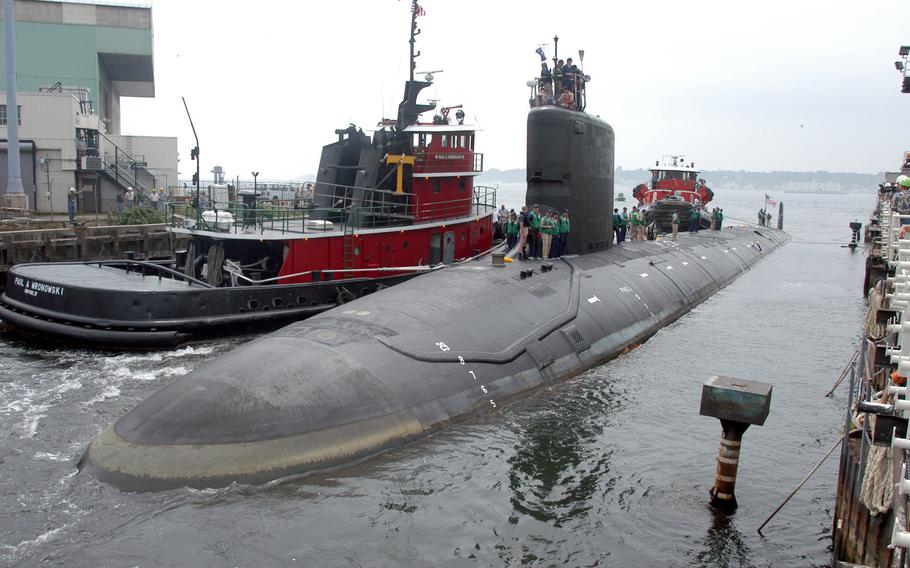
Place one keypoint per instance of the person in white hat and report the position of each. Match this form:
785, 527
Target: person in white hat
130, 196
71, 196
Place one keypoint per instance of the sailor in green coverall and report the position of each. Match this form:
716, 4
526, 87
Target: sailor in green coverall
548, 228
534, 233
617, 226
512, 230
563, 233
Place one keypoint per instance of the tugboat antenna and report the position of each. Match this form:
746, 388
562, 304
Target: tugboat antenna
194, 154
414, 32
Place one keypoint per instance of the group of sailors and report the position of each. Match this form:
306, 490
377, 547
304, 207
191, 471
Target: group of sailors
640, 229
764, 218
544, 235
537, 235
564, 85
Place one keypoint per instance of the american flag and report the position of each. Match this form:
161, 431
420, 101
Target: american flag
418, 10
769, 201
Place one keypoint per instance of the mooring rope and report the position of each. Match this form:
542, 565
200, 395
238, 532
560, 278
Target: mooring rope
874, 330
877, 491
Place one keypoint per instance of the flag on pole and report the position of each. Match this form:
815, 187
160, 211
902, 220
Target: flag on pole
418, 10
769, 201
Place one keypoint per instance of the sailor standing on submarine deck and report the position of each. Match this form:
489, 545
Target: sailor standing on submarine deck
563, 233
523, 228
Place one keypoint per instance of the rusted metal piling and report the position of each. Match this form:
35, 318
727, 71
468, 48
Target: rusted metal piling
738, 404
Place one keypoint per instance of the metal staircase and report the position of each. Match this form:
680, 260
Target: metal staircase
117, 165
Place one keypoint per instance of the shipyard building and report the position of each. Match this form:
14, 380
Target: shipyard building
74, 62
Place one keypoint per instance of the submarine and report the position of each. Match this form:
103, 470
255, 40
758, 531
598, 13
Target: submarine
393, 367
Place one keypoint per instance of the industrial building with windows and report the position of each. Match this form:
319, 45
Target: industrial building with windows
74, 61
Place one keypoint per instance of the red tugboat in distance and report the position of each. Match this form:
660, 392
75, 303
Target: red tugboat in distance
674, 187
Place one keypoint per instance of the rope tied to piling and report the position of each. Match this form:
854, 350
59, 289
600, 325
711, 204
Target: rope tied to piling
877, 490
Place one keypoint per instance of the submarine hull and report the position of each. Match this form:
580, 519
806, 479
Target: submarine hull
393, 367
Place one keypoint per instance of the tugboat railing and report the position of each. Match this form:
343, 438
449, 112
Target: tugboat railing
385, 209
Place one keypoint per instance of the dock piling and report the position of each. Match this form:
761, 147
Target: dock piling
737, 403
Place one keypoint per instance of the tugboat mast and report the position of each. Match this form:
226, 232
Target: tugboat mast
414, 33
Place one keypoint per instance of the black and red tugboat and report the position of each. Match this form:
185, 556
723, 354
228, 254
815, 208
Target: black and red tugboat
386, 208
674, 188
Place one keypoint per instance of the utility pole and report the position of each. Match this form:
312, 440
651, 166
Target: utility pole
15, 193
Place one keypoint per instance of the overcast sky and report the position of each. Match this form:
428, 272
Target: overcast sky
772, 85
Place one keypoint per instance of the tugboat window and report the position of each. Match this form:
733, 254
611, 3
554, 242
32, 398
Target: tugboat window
445, 141
436, 187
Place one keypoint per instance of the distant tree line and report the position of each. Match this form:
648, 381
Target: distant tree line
850, 181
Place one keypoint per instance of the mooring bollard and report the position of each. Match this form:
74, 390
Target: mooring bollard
738, 404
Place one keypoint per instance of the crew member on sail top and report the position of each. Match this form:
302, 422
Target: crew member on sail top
568, 76
564, 227
674, 224
567, 99
545, 94
557, 80
546, 233
617, 225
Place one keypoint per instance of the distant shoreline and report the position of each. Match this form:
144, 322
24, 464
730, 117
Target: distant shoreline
794, 182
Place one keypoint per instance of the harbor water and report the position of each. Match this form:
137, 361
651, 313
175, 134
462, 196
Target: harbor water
611, 468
